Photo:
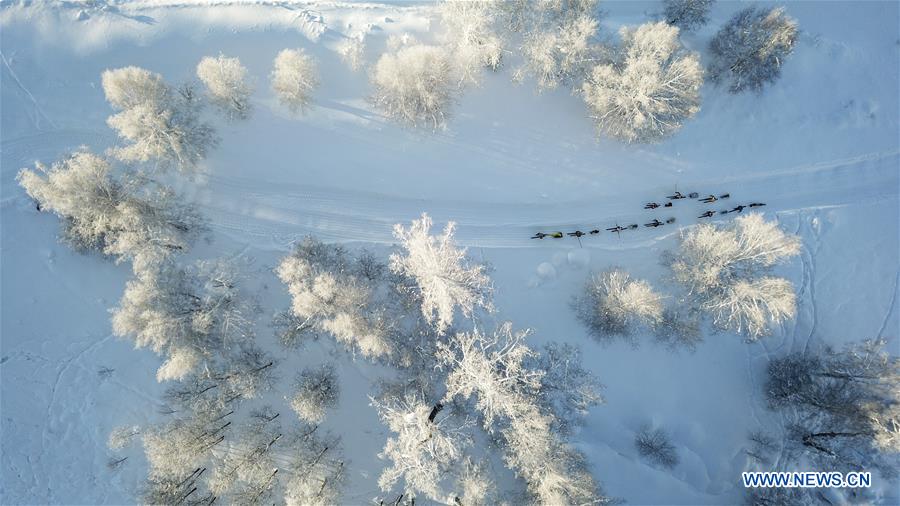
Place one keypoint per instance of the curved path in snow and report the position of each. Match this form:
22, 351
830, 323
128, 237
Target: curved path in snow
284, 213
273, 216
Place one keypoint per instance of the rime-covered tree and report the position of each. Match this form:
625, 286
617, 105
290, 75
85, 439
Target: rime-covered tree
159, 122
567, 389
723, 268
651, 88
474, 485
352, 51
444, 277
688, 15
414, 85
317, 391
227, 85
186, 315
112, 211
295, 76
248, 468
557, 39
493, 370
653, 444
179, 448
471, 36
844, 406
614, 303
425, 446
748, 52
328, 296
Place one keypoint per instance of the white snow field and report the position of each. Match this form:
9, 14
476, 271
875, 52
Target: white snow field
820, 146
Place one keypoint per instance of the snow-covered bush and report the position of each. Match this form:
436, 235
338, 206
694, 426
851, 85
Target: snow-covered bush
328, 296
295, 76
653, 445
226, 83
557, 39
159, 122
473, 41
415, 85
843, 406
317, 391
118, 214
188, 316
492, 369
426, 446
650, 90
443, 275
721, 267
688, 15
614, 303
748, 52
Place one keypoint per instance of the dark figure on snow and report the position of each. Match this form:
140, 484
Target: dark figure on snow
655, 223
632, 226
738, 209
756, 204
709, 200
670, 221
577, 233
707, 214
668, 204
615, 229
539, 235
725, 196
693, 195
651, 205
677, 196
594, 232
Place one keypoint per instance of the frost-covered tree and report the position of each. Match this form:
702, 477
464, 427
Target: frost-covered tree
295, 76
247, 471
352, 51
722, 268
444, 277
688, 15
160, 123
474, 485
472, 39
317, 391
653, 444
754, 305
614, 303
122, 436
679, 328
557, 39
316, 471
227, 85
748, 52
492, 369
651, 88
414, 85
119, 214
186, 315
844, 405
328, 296
180, 448
567, 389
425, 446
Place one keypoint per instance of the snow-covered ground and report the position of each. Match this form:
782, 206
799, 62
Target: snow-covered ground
820, 147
